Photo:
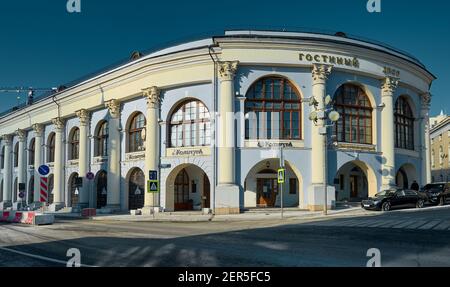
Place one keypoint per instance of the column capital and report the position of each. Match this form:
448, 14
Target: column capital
7, 139
21, 134
426, 100
389, 85
38, 129
59, 123
153, 96
320, 72
113, 107
227, 70
84, 116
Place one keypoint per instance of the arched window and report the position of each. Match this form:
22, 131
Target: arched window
101, 140
404, 124
135, 139
75, 144
16, 155
31, 151
2, 158
190, 125
51, 148
276, 103
355, 123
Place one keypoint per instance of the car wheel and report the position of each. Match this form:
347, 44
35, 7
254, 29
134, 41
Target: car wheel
441, 201
386, 206
419, 203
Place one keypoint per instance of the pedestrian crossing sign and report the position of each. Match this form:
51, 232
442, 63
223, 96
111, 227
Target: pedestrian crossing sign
153, 186
281, 175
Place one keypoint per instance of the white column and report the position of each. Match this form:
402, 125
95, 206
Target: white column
113, 182
59, 165
151, 144
21, 178
227, 193
38, 159
83, 161
425, 138
387, 132
316, 198
7, 175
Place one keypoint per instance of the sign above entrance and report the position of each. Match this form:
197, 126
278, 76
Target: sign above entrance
329, 59
281, 175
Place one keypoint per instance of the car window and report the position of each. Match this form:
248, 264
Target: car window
410, 193
400, 193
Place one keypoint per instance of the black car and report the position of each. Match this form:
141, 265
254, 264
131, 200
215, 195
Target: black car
389, 199
437, 193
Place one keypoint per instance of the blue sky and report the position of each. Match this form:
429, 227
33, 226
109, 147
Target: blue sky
41, 45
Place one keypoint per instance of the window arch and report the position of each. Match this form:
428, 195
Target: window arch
74, 141
101, 139
404, 124
355, 123
190, 125
51, 148
31, 151
16, 155
135, 139
276, 103
2, 158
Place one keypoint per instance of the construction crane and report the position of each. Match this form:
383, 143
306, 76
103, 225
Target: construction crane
30, 90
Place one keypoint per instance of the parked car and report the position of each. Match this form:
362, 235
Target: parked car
389, 199
437, 193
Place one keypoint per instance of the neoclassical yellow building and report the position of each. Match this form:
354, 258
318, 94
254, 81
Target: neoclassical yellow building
206, 119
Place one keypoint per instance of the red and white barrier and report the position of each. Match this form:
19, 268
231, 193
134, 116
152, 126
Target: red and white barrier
30, 218
88, 212
17, 218
5, 216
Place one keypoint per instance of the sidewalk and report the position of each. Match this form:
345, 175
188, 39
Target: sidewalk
254, 215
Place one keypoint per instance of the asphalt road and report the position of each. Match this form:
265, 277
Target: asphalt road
404, 238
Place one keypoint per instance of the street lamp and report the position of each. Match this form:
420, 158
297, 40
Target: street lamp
328, 117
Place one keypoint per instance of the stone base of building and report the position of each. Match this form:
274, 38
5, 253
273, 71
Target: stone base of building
227, 200
150, 210
5, 205
316, 197
54, 207
110, 209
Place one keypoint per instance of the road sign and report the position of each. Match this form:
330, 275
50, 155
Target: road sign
21, 195
281, 175
44, 170
153, 186
153, 175
44, 189
90, 176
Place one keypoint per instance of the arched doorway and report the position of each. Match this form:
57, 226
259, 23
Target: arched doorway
51, 185
31, 190
406, 175
136, 189
73, 189
261, 188
101, 183
1, 191
187, 188
15, 190
355, 181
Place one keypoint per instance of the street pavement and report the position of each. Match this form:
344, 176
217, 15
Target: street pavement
404, 238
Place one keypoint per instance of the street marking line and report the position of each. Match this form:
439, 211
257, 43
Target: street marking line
379, 223
40, 257
430, 224
404, 224
418, 224
443, 226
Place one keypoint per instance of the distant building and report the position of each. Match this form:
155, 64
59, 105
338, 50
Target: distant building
440, 148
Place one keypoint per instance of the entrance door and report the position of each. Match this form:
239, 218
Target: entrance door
267, 192
181, 189
206, 192
136, 189
354, 186
101, 189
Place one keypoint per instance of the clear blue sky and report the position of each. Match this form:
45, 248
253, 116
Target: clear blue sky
43, 45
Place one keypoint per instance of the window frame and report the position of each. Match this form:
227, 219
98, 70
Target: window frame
75, 144
101, 140
135, 132
404, 124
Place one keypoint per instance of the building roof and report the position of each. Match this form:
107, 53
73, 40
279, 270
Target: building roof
206, 41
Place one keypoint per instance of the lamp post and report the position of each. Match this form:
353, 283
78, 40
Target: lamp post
328, 118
